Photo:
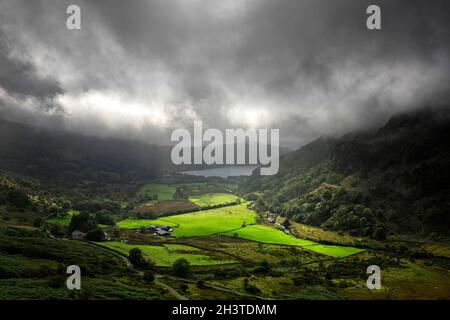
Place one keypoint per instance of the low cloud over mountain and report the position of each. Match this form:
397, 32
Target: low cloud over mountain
140, 69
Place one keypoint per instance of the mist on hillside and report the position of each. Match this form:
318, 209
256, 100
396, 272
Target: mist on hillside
139, 70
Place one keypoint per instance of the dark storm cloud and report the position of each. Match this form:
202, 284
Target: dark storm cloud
141, 68
21, 78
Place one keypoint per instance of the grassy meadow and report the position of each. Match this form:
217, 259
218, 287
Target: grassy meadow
162, 191
165, 255
266, 234
202, 223
212, 199
230, 222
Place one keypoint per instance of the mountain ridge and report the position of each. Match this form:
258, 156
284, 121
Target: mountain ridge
368, 183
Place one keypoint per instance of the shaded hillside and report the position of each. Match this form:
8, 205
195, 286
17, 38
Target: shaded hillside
394, 180
65, 157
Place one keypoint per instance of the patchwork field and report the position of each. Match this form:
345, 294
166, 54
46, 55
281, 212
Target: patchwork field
211, 199
268, 234
202, 223
229, 221
162, 191
167, 206
139, 223
201, 188
165, 255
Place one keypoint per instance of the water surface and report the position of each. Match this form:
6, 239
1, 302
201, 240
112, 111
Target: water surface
224, 172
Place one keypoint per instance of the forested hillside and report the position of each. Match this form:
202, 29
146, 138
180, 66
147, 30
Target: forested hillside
391, 181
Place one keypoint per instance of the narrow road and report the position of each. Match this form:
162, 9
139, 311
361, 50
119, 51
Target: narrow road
223, 289
130, 267
174, 292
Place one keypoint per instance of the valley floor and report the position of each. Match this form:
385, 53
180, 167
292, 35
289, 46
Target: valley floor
233, 252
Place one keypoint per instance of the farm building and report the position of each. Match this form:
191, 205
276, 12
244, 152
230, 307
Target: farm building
159, 230
78, 235
163, 233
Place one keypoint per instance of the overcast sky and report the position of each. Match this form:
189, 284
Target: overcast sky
139, 69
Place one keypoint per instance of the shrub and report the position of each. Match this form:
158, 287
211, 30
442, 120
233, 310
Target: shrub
149, 276
82, 222
104, 217
37, 222
96, 235
57, 281
184, 287
263, 268
250, 288
181, 268
137, 259
379, 233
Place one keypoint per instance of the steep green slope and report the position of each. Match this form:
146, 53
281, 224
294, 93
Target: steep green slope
394, 180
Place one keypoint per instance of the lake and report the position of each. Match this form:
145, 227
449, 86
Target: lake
224, 172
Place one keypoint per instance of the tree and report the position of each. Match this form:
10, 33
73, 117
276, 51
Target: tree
181, 268
287, 223
251, 197
263, 267
37, 222
137, 258
380, 233
104, 217
250, 288
149, 276
82, 222
181, 194
96, 235
56, 230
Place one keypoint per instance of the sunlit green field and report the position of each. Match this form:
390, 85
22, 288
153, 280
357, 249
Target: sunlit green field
167, 254
229, 221
164, 192
211, 199
138, 223
334, 251
201, 223
268, 234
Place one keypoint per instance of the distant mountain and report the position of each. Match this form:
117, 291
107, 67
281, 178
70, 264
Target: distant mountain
394, 180
66, 157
